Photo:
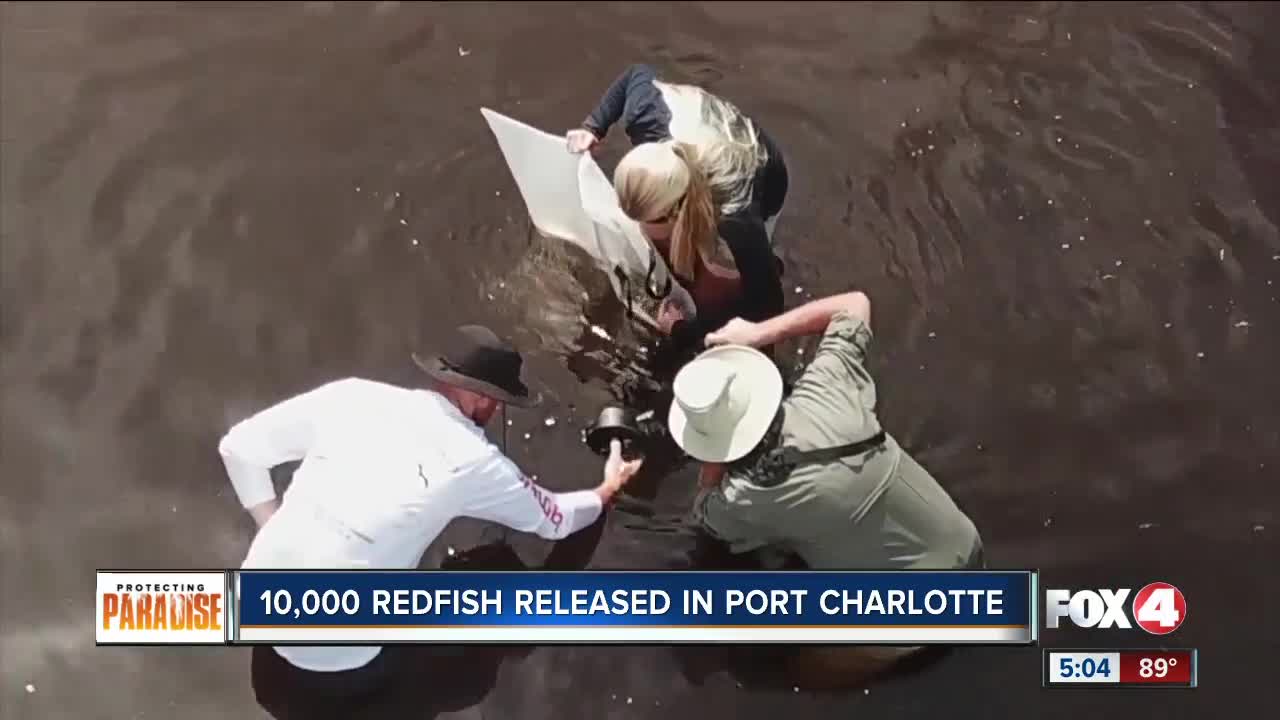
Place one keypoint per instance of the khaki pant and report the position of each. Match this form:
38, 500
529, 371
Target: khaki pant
842, 666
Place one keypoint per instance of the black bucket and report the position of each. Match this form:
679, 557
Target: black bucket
614, 423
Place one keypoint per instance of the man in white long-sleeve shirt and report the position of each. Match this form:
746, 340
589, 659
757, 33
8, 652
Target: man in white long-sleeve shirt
384, 470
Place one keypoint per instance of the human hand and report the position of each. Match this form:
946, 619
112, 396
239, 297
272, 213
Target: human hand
669, 313
581, 140
736, 332
617, 471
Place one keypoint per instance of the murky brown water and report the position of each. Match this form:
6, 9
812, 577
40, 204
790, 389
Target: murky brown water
1065, 214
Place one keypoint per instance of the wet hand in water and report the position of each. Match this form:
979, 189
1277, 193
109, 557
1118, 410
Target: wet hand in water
618, 470
669, 313
736, 332
581, 140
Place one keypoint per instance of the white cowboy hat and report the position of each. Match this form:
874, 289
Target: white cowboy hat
725, 401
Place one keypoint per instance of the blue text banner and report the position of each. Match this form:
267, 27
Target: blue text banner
635, 607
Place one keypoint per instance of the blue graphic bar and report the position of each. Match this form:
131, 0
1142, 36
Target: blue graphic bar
323, 607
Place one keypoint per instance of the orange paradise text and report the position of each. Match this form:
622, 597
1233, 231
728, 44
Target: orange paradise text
162, 611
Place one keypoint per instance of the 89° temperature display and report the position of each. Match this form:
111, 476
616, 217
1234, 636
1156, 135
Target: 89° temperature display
1121, 668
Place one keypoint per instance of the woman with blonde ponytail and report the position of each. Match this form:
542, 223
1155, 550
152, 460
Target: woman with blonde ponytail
662, 187
699, 172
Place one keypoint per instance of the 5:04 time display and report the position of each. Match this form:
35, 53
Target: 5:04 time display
1088, 667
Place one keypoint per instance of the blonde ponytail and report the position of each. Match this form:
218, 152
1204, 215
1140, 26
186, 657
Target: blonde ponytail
693, 236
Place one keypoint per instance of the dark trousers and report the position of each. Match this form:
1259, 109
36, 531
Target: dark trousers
406, 681
288, 692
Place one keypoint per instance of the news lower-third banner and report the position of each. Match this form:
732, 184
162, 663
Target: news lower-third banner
590, 607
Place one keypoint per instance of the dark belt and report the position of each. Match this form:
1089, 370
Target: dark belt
782, 461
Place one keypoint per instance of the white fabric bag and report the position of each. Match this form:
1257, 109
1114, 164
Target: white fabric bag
569, 197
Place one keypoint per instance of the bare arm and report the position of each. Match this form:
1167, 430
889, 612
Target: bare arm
811, 318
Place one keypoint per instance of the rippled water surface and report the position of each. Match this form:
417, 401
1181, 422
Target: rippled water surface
1065, 215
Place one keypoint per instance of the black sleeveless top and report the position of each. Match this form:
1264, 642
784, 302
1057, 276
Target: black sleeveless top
638, 103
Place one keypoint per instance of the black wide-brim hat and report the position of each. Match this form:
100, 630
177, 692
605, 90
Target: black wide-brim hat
478, 360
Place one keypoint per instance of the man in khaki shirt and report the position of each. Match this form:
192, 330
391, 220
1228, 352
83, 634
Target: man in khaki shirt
775, 476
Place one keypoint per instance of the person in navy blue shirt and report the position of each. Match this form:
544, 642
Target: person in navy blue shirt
699, 171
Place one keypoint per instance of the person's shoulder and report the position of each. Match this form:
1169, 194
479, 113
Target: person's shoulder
744, 229
641, 70
354, 387
373, 401
840, 359
355, 383
456, 437
441, 413
851, 319
746, 216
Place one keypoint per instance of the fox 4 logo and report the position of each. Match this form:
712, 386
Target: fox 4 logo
1159, 608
